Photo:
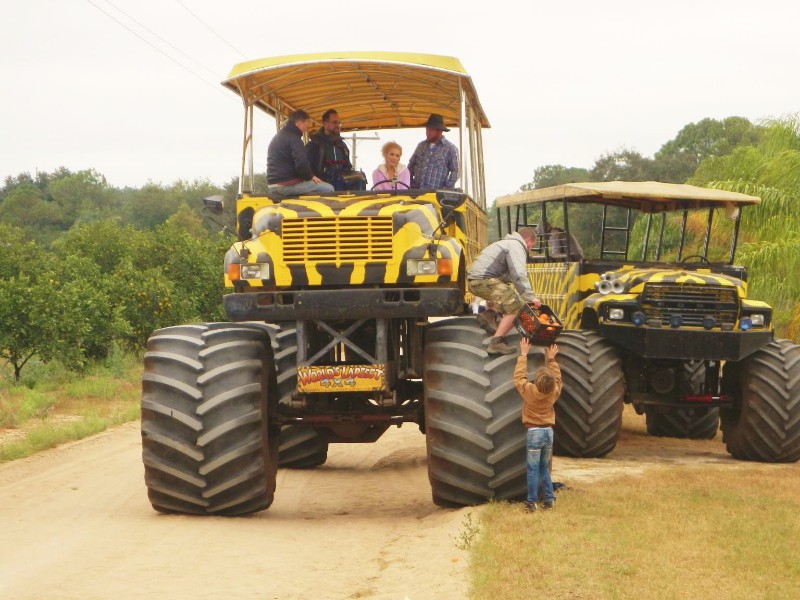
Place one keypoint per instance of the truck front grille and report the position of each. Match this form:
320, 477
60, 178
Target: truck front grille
337, 239
691, 301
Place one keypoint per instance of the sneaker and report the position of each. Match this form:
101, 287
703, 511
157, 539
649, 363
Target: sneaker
547, 504
498, 346
486, 319
531, 507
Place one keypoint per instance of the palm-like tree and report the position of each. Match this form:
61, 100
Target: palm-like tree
770, 232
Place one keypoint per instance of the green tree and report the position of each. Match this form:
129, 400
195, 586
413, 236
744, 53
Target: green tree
105, 280
624, 165
17, 251
154, 278
106, 243
93, 318
19, 337
770, 234
187, 220
52, 305
25, 207
192, 193
150, 206
11, 183
50, 315
550, 175
711, 137
195, 268
42, 180
82, 196
155, 204
148, 300
679, 158
21, 333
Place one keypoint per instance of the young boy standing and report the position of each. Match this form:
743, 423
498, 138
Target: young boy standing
538, 417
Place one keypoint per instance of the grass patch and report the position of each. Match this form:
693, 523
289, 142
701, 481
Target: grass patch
23, 406
680, 532
468, 534
51, 405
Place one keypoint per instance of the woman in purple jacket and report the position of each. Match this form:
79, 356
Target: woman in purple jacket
391, 173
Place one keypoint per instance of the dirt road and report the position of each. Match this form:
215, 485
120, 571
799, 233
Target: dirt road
75, 523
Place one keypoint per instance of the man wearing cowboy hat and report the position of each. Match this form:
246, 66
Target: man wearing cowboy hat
434, 164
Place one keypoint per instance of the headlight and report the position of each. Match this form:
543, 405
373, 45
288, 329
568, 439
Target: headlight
757, 319
255, 271
421, 267
709, 322
616, 314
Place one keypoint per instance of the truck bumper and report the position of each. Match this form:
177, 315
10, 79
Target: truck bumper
665, 342
343, 304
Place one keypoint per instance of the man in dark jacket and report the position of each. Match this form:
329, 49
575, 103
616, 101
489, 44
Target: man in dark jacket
328, 155
500, 275
288, 170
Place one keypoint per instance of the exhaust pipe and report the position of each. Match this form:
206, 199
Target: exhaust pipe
603, 286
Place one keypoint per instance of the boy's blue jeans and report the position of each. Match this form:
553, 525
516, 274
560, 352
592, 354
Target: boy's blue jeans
539, 451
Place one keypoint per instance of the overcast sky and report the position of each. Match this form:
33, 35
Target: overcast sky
131, 88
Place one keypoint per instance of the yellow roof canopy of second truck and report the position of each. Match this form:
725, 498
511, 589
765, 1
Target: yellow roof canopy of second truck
646, 196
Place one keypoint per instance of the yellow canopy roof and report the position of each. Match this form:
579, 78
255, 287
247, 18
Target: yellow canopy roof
647, 196
369, 90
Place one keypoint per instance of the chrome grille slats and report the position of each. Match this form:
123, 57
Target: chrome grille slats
692, 302
337, 239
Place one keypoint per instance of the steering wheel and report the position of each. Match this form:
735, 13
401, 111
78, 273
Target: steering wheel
700, 258
398, 182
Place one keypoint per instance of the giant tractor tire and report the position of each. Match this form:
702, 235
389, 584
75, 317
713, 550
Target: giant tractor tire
589, 411
698, 423
764, 424
208, 391
474, 434
299, 446
692, 422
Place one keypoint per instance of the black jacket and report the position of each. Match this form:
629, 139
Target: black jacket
286, 156
321, 148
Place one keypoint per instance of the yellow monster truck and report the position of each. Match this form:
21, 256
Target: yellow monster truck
329, 304
657, 315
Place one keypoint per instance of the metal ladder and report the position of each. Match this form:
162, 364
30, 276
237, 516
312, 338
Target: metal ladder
605, 253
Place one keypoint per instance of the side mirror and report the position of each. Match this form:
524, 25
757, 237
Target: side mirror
450, 198
214, 204
448, 214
